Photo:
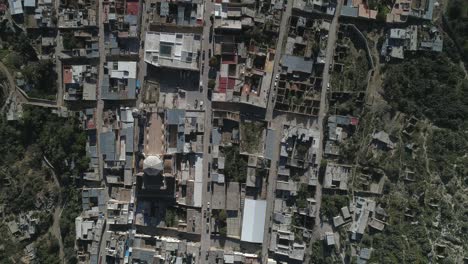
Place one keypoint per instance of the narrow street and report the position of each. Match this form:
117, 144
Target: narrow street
206, 196
58, 62
272, 176
332, 35
99, 111
11, 80
276, 126
141, 63
284, 27
55, 228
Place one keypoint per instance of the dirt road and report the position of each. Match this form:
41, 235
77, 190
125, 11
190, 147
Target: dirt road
55, 228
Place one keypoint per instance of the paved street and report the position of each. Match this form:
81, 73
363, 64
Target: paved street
272, 176
332, 34
99, 111
206, 46
58, 70
284, 27
58, 62
100, 102
275, 125
142, 64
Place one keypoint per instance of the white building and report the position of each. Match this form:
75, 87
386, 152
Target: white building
16, 7
173, 50
122, 69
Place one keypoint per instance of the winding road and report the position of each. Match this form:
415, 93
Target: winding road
55, 228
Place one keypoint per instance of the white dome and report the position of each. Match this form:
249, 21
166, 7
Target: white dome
152, 165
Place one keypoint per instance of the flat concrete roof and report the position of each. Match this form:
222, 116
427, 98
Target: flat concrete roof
174, 50
233, 196
219, 196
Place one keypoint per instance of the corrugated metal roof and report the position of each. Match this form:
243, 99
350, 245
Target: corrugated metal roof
128, 132
175, 116
164, 11
129, 161
297, 64
269, 144
253, 223
349, 11
131, 19
30, 3
107, 142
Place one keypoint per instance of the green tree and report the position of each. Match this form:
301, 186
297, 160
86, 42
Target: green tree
223, 231
222, 216
214, 62
332, 204
47, 250
429, 86
211, 84
302, 195
69, 41
170, 218
42, 77
235, 166
318, 253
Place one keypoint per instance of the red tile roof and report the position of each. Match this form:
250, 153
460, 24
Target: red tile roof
132, 8
223, 84
67, 75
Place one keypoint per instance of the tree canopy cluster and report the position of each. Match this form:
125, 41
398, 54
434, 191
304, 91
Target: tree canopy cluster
41, 78
457, 14
434, 88
235, 167
430, 87
24, 144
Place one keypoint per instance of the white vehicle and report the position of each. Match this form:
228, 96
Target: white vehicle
277, 76
201, 104
328, 85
